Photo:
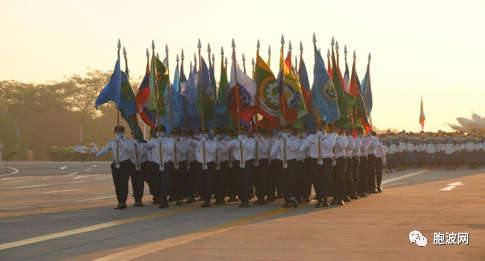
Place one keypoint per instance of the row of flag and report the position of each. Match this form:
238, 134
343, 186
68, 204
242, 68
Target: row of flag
260, 99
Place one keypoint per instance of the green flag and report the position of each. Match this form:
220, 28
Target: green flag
158, 83
222, 96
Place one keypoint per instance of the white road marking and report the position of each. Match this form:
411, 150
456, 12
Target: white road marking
36, 186
9, 174
103, 178
95, 166
403, 177
77, 182
63, 167
17, 178
48, 192
49, 177
88, 169
16, 181
74, 173
90, 199
80, 177
451, 186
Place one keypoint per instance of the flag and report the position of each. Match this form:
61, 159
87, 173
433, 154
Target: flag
223, 94
367, 91
293, 92
337, 82
324, 95
131, 119
142, 97
421, 115
173, 106
330, 72
346, 77
158, 83
309, 119
219, 109
118, 90
245, 91
267, 94
80, 133
205, 97
189, 88
359, 112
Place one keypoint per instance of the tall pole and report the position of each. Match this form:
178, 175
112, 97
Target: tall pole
157, 121
337, 48
367, 96
132, 121
118, 115
244, 63
316, 109
214, 109
169, 89
269, 55
237, 84
257, 87
283, 75
200, 89
183, 97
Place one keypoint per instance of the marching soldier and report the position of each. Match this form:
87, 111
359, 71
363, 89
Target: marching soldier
338, 179
205, 150
380, 162
371, 162
221, 167
365, 143
139, 160
182, 150
121, 168
261, 162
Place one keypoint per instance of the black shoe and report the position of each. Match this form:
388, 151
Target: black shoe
171, 199
271, 199
299, 200
119, 206
319, 204
287, 205
294, 203
347, 199
355, 196
362, 195
162, 204
257, 202
155, 201
218, 202
244, 204
206, 204
340, 202
325, 203
200, 199
334, 202
190, 200
232, 199
375, 192
179, 203
379, 189
307, 199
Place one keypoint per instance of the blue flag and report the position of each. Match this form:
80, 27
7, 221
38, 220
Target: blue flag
188, 89
324, 96
219, 108
175, 105
309, 119
119, 91
367, 91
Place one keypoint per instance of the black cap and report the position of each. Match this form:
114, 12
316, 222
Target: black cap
121, 128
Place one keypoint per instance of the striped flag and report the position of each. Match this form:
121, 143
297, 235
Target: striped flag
421, 115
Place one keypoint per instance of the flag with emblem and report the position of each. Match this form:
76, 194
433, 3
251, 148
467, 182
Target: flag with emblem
188, 88
142, 97
359, 112
222, 97
245, 91
324, 95
206, 97
158, 82
296, 107
267, 94
309, 119
219, 108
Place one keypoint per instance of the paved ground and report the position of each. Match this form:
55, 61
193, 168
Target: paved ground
63, 210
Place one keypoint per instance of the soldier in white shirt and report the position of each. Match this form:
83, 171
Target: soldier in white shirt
181, 166
83, 150
356, 167
121, 168
380, 162
139, 160
304, 167
232, 178
285, 148
272, 170
365, 143
191, 169
371, 163
205, 150
162, 149
261, 163
338, 175
243, 165
221, 167
348, 164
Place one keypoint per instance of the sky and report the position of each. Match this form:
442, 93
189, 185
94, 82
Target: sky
433, 49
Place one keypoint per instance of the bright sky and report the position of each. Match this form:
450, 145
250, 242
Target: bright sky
433, 49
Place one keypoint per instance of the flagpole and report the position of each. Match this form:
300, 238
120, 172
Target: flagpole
169, 89
367, 96
214, 109
244, 63
118, 115
237, 84
269, 55
200, 90
257, 89
224, 91
183, 97
133, 119
282, 67
157, 121
316, 109
338, 59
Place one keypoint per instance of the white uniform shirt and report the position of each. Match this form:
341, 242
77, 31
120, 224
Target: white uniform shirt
243, 146
341, 145
263, 148
140, 152
210, 149
364, 146
356, 150
350, 146
162, 150
122, 149
374, 141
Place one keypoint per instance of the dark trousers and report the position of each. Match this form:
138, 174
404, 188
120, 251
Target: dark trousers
338, 178
138, 180
261, 178
317, 176
174, 177
163, 181
232, 179
120, 179
327, 189
450, 160
191, 177
272, 174
206, 180
279, 179
220, 181
378, 172
355, 174
371, 172
306, 185
348, 177
362, 174
182, 180
245, 187
153, 174
289, 180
